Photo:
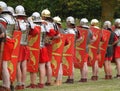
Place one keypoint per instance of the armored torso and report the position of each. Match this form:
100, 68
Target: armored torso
10, 24
45, 28
23, 26
42, 35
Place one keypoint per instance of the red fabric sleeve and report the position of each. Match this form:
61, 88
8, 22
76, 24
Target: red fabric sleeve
4, 24
52, 32
57, 32
35, 31
115, 38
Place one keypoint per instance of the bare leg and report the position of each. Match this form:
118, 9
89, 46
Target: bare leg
95, 69
110, 68
42, 72
59, 77
5, 75
24, 71
106, 69
84, 70
118, 65
72, 75
60, 73
33, 77
19, 74
49, 72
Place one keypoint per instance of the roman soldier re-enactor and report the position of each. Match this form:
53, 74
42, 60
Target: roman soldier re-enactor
71, 29
21, 25
84, 70
16, 36
8, 22
109, 51
95, 68
58, 79
117, 47
47, 33
26, 28
34, 44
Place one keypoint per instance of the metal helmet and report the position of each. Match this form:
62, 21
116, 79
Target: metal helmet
70, 20
19, 10
84, 22
107, 24
94, 22
117, 22
45, 13
36, 17
3, 6
11, 9
57, 19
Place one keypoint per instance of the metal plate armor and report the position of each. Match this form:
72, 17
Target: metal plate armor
10, 24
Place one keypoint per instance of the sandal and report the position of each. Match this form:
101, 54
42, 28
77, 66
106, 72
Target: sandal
32, 86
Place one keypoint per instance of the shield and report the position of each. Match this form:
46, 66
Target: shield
68, 54
103, 47
34, 46
1, 44
57, 49
12, 65
93, 47
80, 49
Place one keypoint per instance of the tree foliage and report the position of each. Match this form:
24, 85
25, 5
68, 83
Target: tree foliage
63, 8
108, 9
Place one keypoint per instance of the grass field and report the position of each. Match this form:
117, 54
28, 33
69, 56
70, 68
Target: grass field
100, 85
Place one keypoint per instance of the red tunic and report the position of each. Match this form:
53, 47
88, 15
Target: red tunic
44, 55
116, 49
117, 52
8, 49
24, 53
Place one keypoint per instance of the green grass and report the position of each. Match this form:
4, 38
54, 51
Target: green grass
100, 85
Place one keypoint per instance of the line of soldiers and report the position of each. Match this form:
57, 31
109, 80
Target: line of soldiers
39, 44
